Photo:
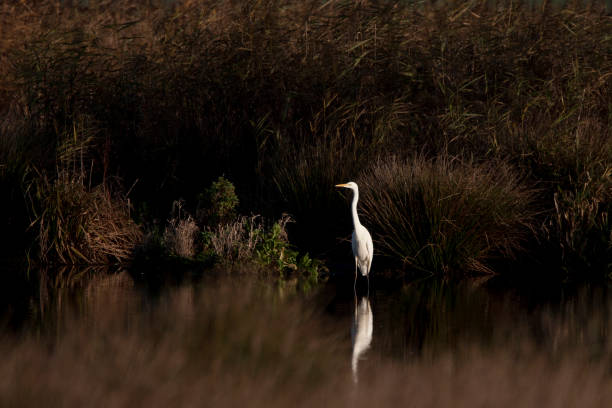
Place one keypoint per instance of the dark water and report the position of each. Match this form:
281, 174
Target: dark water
425, 318
401, 321
78, 337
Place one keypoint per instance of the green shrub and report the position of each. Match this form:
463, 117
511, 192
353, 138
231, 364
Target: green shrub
274, 249
219, 203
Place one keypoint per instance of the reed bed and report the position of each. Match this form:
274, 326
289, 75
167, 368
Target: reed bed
286, 98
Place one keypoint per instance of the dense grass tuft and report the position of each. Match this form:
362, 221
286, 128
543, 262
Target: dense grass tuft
79, 225
445, 215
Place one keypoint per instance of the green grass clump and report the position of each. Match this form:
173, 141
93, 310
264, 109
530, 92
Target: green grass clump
444, 215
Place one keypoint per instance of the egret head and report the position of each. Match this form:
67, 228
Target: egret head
350, 184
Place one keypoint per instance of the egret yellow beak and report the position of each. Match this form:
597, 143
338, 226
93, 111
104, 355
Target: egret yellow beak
341, 185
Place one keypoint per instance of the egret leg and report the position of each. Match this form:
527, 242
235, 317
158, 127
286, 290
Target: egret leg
368, 278
355, 282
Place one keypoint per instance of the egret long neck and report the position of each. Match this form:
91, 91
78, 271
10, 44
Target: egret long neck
354, 208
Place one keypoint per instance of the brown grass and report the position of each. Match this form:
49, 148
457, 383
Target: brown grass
180, 233
237, 240
240, 239
81, 225
446, 216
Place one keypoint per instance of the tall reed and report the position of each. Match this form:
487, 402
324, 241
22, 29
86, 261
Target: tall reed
77, 222
287, 97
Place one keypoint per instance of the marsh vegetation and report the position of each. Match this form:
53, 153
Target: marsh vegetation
194, 146
479, 131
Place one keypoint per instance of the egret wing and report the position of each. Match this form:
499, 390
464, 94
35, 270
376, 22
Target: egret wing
369, 248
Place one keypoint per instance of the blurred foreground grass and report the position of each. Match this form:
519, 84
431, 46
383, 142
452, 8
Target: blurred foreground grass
237, 342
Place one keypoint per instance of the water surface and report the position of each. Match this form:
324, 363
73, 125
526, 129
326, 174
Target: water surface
419, 318
85, 337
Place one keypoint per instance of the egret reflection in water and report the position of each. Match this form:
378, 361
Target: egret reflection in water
361, 332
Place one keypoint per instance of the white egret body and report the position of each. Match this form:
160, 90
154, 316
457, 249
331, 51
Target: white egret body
363, 249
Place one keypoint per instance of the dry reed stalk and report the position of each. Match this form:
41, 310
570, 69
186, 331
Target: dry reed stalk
237, 240
180, 233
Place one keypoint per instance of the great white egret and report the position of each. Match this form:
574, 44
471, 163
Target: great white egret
363, 249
